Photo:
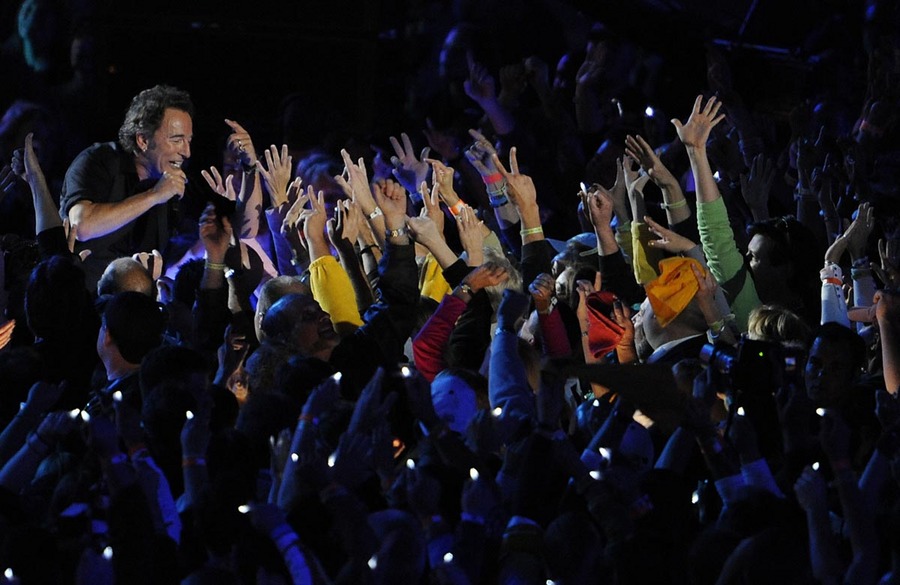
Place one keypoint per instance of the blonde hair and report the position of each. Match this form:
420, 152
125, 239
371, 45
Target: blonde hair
495, 293
777, 324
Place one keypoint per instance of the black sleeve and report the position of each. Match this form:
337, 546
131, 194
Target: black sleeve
90, 177
472, 334
537, 258
211, 317
388, 322
618, 277
456, 272
52, 242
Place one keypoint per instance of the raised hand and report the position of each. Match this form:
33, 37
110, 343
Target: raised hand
409, 170
486, 275
520, 187
391, 198
622, 316
634, 178
240, 144
344, 227
756, 186
669, 241
542, 291
314, 218
215, 234
356, 182
707, 287
292, 217
600, 207
639, 150
585, 288
423, 230
214, 179
480, 86
471, 235
695, 132
276, 173
480, 154
432, 206
858, 233
152, 261
442, 180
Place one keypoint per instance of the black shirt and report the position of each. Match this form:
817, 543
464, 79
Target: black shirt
106, 173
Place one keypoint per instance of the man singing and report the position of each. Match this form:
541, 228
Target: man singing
116, 195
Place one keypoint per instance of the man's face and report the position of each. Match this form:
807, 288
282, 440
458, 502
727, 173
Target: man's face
170, 145
768, 274
312, 331
829, 373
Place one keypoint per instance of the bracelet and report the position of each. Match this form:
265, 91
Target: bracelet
375, 213
457, 207
215, 266
497, 200
402, 231
676, 205
489, 179
366, 249
532, 231
466, 289
193, 462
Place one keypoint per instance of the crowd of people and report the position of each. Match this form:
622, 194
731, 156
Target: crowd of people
566, 342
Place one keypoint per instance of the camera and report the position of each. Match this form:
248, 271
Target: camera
754, 366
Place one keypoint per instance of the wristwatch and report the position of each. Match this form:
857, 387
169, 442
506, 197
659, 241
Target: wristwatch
401, 231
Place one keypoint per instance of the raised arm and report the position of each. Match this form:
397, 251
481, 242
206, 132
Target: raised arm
716, 236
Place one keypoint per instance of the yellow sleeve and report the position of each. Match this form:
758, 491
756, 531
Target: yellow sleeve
432, 283
645, 258
333, 291
623, 238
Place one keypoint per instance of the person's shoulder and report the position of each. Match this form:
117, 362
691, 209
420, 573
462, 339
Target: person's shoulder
110, 150
101, 155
